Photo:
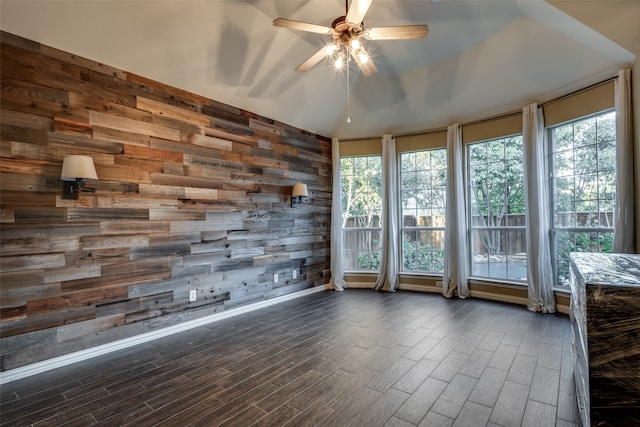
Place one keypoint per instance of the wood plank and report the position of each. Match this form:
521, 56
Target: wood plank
31, 262
86, 142
130, 125
25, 120
163, 109
83, 62
128, 138
211, 142
137, 152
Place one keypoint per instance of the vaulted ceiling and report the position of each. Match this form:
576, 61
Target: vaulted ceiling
480, 57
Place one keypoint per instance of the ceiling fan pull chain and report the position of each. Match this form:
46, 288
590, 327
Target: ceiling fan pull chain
348, 91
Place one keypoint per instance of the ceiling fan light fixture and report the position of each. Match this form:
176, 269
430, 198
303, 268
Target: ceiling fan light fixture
347, 32
330, 49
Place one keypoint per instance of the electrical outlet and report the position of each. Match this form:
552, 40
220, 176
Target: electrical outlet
295, 273
275, 277
193, 295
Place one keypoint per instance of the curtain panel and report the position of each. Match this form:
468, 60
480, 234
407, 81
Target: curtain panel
539, 271
624, 234
388, 274
337, 267
456, 261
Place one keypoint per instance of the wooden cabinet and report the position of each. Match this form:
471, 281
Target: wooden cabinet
605, 316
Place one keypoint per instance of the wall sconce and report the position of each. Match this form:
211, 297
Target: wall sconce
75, 169
299, 191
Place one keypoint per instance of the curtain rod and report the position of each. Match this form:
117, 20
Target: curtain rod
419, 133
576, 92
492, 119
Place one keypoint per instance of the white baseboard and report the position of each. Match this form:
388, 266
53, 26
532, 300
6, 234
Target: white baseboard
78, 356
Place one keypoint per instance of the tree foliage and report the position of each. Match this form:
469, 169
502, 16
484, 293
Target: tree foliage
584, 188
496, 187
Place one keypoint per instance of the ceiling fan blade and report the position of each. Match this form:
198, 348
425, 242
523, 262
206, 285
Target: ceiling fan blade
358, 9
317, 57
301, 26
404, 32
367, 67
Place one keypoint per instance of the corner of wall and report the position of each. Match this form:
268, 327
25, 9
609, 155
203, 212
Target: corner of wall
635, 86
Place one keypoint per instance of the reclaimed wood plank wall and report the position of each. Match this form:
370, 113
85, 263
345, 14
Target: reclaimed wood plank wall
192, 194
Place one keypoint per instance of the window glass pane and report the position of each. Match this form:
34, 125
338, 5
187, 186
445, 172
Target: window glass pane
423, 195
583, 188
361, 183
497, 214
423, 250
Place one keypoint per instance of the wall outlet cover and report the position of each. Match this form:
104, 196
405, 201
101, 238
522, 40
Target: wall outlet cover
275, 277
295, 273
193, 295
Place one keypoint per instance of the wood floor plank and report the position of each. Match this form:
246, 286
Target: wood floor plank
285, 393
511, 403
449, 367
397, 422
416, 376
476, 363
472, 415
545, 386
433, 419
416, 407
522, 369
488, 387
313, 415
382, 410
538, 414
277, 417
454, 396
503, 357
358, 358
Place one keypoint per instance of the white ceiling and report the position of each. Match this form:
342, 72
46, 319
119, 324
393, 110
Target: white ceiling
480, 57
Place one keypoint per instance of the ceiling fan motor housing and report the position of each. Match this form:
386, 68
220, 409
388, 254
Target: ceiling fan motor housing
344, 32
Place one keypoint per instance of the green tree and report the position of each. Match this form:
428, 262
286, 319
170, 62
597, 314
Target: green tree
584, 187
496, 187
361, 188
423, 192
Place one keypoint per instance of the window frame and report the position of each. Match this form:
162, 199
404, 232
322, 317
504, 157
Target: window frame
471, 228
554, 229
418, 228
346, 229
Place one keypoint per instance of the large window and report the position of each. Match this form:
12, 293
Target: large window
423, 193
496, 195
361, 207
583, 159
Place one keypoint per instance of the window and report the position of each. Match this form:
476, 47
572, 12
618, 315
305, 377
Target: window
496, 194
361, 180
583, 159
423, 175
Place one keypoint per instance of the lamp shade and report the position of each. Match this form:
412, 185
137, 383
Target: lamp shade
74, 167
300, 190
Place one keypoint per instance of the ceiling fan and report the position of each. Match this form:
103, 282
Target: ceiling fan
346, 32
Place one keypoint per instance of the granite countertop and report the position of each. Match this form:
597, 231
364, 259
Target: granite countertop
607, 269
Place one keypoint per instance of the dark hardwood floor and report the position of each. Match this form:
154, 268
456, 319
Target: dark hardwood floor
333, 359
